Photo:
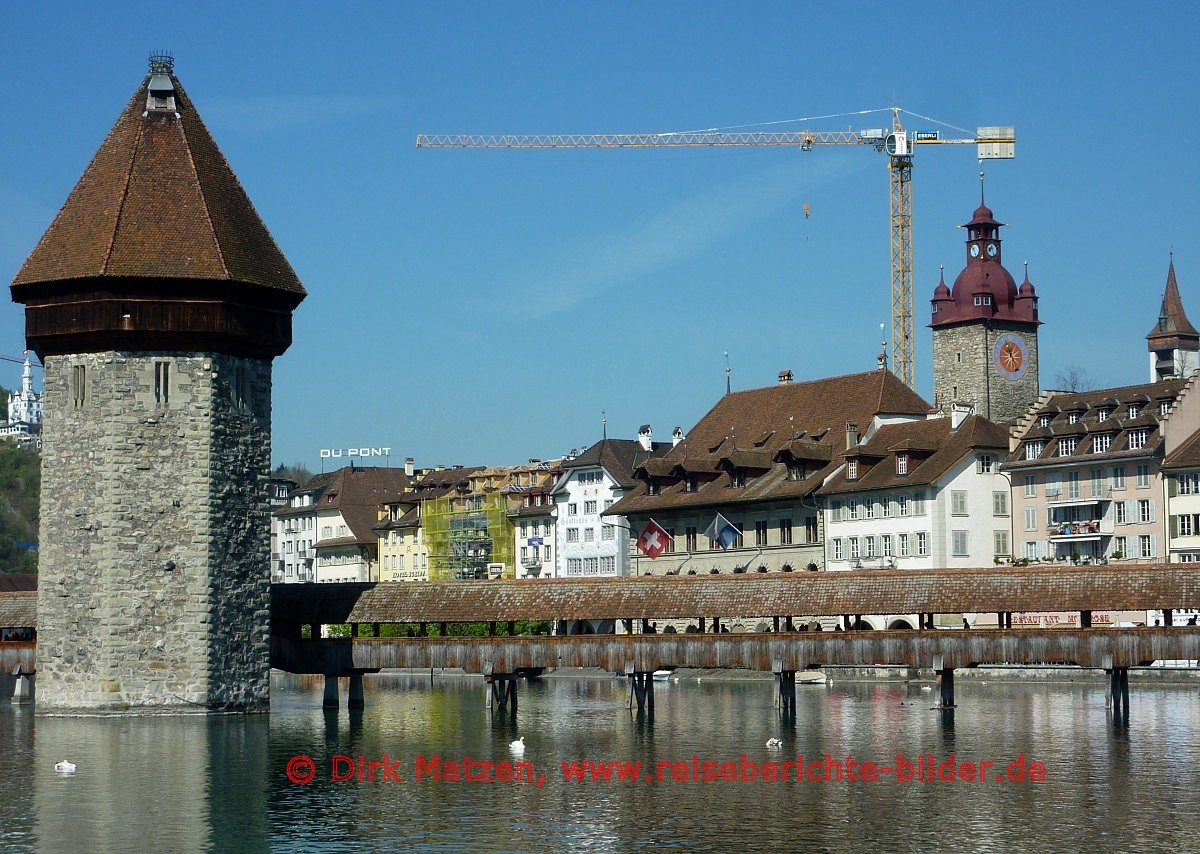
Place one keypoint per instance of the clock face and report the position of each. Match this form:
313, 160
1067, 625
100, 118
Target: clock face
992, 250
974, 250
1010, 356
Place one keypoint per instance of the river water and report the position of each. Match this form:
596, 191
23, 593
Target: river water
221, 783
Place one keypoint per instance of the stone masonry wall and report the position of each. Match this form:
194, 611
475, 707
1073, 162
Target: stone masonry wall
153, 569
963, 359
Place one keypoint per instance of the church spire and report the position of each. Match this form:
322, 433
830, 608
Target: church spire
1174, 343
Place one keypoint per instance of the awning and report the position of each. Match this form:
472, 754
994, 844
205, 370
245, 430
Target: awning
1076, 538
1082, 502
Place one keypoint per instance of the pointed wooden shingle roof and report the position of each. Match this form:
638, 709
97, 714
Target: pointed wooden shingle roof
159, 200
1173, 323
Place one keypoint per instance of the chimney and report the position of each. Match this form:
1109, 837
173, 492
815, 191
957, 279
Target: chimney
851, 435
785, 377
644, 437
408, 466
676, 436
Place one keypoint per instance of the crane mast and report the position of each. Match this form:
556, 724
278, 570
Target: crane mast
897, 143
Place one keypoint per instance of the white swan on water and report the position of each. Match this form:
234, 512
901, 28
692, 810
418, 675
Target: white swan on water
774, 743
517, 746
65, 767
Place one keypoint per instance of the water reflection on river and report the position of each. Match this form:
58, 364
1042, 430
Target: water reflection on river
220, 784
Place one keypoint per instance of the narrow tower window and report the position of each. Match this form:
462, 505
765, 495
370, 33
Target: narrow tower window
78, 385
162, 376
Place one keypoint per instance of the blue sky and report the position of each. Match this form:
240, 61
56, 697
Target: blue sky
470, 307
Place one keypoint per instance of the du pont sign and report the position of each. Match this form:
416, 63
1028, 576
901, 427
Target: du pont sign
337, 453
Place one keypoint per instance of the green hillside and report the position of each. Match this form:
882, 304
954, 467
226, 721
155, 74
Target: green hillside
20, 486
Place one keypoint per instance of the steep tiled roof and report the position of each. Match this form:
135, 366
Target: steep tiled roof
1186, 456
357, 493
159, 200
619, 457
1086, 407
975, 433
785, 416
1173, 323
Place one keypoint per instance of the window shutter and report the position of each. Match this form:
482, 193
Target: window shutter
1174, 526
1172, 486
1152, 517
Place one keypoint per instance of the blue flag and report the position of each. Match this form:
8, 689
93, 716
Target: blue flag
722, 532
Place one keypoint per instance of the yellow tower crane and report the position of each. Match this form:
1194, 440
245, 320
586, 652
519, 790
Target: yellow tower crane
897, 143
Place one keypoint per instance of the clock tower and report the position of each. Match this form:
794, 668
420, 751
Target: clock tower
985, 349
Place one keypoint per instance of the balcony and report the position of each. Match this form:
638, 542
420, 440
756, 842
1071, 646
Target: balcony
1078, 531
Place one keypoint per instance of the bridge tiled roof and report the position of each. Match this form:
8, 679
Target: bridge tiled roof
18, 609
1015, 589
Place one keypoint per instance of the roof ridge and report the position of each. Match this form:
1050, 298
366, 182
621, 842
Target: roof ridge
112, 237
200, 186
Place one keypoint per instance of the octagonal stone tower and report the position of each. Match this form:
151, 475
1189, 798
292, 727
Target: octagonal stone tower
156, 301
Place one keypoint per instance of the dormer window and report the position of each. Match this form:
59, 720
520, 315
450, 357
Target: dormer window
1102, 415
1137, 438
1033, 450
795, 472
983, 299
737, 478
901, 463
651, 488
1164, 407
852, 470
1073, 418
689, 484
1043, 420
1134, 410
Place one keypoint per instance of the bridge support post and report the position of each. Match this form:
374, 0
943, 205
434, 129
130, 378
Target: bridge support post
1118, 692
785, 691
946, 685
331, 693
357, 699
503, 691
642, 685
21, 691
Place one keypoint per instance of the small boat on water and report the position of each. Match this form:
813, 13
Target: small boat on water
810, 677
662, 675
65, 767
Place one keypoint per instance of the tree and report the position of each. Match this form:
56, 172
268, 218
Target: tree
1074, 378
296, 472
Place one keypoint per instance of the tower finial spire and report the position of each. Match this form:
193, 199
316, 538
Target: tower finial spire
981, 195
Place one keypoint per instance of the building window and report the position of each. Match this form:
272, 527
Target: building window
1146, 545
1000, 539
854, 552
1031, 486
853, 508
1145, 510
901, 463
885, 545
1030, 518
572, 535
162, 380
999, 503
1097, 485
810, 529
589, 535
670, 547
760, 533
1072, 485
572, 509
608, 532
985, 464
869, 508
885, 505
689, 484
870, 546
836, 511
903, 545
1134, 410
1053, 484
1137, 438
958, 544
1164, 407
1033, 450
689, 535
1101, 443
1143, 476
902, 505
918, 502
1067, 445
922, 544
785, 532
1120, 513
837, 548
574, 566
608, 565
590, 508
958, 502
852, 470
737, 479
1073, 418
1183, 526
1102, 415
78, 385
1043, 420
1116, 477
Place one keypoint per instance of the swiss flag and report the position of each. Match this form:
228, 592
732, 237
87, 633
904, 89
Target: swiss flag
653, 540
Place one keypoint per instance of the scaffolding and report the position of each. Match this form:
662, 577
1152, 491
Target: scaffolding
469, 537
